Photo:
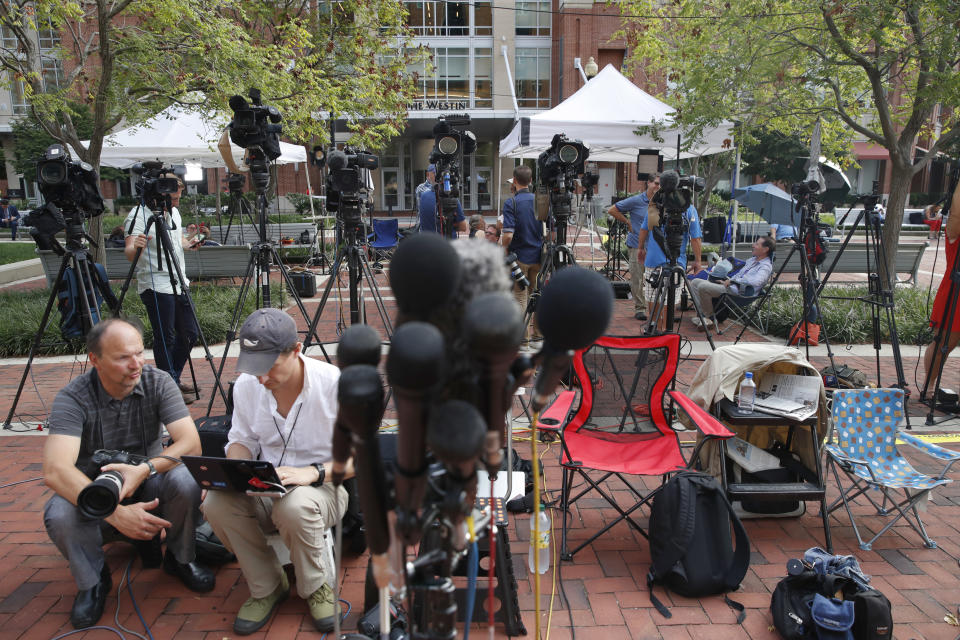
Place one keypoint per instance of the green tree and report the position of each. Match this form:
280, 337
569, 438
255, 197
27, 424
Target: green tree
130, 59
879, 70
774, 156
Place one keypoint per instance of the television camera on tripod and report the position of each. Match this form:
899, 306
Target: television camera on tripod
451, 143
72, 194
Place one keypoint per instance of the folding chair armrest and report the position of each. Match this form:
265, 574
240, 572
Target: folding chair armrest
933, 450
705, 423
837, 453
554, 417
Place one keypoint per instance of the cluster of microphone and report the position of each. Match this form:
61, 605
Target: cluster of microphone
454, 365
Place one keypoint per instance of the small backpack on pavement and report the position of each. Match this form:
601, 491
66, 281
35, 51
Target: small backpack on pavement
691, 548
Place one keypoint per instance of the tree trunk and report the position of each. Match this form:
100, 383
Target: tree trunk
900, 179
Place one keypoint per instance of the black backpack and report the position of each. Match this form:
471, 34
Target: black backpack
690, 544
73, 321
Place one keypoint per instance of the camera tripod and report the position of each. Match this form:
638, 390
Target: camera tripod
880, 293
665, 297
238, 207
556, 255
350, 251
89, 284
262, 254
590, 210
167, 262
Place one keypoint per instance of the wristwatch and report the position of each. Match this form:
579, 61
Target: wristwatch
153, 469
321, 474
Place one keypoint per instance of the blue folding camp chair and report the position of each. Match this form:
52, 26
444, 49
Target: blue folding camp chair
383, 240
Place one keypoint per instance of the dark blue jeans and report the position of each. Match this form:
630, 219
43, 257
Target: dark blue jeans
13, 224
174, 330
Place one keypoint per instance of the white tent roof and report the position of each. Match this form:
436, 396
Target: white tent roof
178, 136
604, 114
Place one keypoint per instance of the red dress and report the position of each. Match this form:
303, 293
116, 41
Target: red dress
938, 314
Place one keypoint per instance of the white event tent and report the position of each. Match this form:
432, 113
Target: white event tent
604, 114
178, 136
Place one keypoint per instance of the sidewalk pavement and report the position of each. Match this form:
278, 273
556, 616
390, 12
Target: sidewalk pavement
605, 585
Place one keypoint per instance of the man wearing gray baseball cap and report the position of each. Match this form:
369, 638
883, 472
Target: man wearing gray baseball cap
284, 407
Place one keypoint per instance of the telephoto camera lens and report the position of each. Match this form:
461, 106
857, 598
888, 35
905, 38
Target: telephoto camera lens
100, 498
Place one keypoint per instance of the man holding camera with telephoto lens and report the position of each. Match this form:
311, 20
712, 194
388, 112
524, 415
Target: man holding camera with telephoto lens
121, 405
174, 325
285, 405
637, 206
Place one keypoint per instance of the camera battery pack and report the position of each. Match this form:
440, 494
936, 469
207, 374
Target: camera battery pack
304, 282
213, 432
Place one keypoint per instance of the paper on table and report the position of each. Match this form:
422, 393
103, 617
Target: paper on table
788, 395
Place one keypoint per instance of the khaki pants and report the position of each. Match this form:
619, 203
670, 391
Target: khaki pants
522, 296
301, 518
706, 291
636, 280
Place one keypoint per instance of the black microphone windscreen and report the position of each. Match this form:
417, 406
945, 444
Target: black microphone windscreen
575, 308
337, 159
360, 344
669, 180
238, 103
456, 431
492, 323
360, 384
424, 271
416, 356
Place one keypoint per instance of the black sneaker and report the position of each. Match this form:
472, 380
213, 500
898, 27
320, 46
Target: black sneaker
640, 315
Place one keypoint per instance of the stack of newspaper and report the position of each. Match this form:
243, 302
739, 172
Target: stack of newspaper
790, 396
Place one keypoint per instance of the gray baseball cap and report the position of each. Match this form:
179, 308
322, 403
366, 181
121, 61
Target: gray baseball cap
263, 337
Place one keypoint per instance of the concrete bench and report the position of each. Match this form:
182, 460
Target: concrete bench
854, 260
248, 233
205, 262
905, 224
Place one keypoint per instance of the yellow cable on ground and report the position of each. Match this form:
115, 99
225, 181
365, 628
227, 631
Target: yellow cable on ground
535, 531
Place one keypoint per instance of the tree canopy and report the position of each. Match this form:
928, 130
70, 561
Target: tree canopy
129, 59
884, 71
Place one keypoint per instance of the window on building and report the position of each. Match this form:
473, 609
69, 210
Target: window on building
49, 39
533, 77
483, 18
451, 75
482, 78
18, 99
52, 72
533, 17
7, 39
439, 18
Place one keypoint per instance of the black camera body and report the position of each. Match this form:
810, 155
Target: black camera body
673, 199
559, 166
72, 191
256, 127
100, 498
156, 182
347, 191
450, 143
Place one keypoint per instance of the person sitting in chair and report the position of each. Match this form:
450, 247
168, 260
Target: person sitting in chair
748, 281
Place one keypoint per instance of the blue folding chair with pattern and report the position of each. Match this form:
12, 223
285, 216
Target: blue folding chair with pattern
865, 423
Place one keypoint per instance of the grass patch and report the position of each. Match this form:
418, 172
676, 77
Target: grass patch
849, 321
11, 252
20, 314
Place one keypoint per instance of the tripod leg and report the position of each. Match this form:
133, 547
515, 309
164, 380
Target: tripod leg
377, 297
285, 274
44, 319
334, 270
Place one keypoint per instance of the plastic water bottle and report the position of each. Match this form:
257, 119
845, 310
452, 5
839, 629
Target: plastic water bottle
539, 548
748, 391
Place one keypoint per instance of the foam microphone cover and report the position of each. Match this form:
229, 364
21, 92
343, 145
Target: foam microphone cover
337, 159
575, 308
238, 103
360, 395
669, 180
455, 435
360, 344
424, 272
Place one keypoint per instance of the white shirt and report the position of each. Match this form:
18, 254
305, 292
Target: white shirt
150, 275
301, 438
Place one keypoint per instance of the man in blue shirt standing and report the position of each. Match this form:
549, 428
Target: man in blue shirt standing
637, 207
653, 256
427, 210
523, 235
427, 184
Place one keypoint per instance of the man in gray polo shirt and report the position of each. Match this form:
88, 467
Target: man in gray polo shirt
121, 404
